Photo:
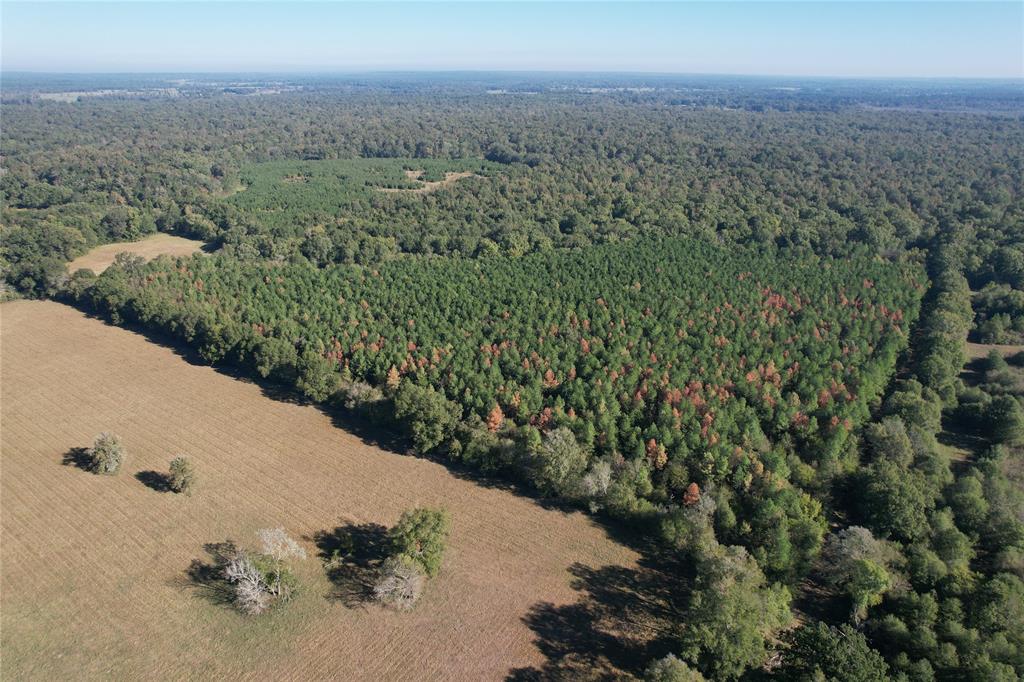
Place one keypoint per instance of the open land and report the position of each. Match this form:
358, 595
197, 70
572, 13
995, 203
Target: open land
95, 579
160, 244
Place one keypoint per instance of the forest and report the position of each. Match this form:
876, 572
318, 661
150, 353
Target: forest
733, 320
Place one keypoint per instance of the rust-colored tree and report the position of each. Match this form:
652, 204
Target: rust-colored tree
495, 418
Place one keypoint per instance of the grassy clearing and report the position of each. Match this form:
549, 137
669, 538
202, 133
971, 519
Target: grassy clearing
159, 244
426, 186
94, 582
285, 192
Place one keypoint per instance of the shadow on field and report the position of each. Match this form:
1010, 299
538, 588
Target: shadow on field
155, 480
207, 577
622, 620
367, 432
78, 458
352, 555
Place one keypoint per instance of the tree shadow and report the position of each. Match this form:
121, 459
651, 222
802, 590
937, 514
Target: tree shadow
352, 555
155, 480
207, 576
624, 618
78, 458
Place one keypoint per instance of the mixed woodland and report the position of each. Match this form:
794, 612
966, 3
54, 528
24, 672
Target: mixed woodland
729, 318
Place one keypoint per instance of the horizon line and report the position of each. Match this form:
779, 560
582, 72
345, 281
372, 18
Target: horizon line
342, 71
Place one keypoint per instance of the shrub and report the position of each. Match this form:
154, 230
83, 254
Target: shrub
106, 454
671, 669
400, 584
183, 476
419, 538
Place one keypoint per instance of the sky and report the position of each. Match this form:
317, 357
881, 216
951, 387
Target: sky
809, 38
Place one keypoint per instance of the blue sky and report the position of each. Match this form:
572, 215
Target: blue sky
822, 38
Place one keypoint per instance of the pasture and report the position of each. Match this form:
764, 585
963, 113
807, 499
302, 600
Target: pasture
159, 244
95, 580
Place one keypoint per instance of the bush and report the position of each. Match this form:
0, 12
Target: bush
106, 454
400, 584
419, 538
671, 669
183, 476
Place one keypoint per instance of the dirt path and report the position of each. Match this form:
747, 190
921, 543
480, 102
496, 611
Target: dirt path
159, 244
94, 580
450, 178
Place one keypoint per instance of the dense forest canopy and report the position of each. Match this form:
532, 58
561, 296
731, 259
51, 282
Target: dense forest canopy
731, 312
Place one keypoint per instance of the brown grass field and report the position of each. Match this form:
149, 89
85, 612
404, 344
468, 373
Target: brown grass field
980, 350
93, 579
159, 244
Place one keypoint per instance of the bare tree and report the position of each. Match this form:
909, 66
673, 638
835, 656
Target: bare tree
252, 594
400, 584
279, 546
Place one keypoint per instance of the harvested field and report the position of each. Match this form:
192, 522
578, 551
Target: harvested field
94, 579
102, 257
428, 186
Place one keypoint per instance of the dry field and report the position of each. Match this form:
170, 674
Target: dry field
94, 569
427, 186
159, 244
980, 350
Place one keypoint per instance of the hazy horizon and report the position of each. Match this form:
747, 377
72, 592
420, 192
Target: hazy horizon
853, 40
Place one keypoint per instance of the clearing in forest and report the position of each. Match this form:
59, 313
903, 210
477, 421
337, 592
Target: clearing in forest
288, 193
95, 579
426, 186
159, 244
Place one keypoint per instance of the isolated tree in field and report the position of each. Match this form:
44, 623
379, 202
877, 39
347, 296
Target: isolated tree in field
252, 594
260, 578
560, 462
420, 537
106, 454
400, 583
182, 476
276, 544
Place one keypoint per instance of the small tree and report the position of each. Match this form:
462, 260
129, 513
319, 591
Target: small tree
420, 537
278, 546
183, 476
400, 584
671, 669
106, 454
